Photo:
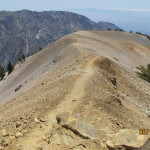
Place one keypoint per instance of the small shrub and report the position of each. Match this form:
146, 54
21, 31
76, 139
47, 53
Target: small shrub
40, 48
139, 33
121, 30
144, 73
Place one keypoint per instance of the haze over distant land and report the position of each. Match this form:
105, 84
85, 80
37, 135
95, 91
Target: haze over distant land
137, 20
129, 15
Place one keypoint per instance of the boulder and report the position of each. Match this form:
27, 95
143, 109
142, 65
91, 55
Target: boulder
127, 139
77, 125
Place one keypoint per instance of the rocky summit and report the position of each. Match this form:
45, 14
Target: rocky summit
25, 32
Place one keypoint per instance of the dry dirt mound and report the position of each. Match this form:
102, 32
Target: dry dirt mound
89, 77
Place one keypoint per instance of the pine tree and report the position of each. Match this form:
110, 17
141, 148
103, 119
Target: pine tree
23, 57
10, 67
2, 73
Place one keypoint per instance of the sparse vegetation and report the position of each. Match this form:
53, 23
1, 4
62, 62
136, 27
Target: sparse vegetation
10, 67
143, 35
2, 72
144, 73
19, 59
23, 57
121, 30
40, 48
138, 33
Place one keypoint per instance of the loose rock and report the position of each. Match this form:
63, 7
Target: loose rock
77, 125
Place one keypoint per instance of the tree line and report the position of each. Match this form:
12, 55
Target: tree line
9, 68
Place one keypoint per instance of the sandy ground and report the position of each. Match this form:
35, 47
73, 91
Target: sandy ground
74, 75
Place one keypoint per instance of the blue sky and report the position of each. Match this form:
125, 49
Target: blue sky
41, 5
127, 14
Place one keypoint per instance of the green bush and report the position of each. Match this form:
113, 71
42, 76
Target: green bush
144, 73
121, 30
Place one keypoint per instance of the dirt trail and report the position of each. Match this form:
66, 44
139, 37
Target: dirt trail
71, 101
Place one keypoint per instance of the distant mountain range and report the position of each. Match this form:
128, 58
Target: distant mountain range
25, 32
136, 20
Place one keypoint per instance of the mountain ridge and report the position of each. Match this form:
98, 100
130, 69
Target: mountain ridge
25, 32
81, 89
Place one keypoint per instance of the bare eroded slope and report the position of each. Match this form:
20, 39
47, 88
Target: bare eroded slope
86, 73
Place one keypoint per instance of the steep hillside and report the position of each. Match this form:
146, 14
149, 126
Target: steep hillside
25, 32
79, 93
105, 25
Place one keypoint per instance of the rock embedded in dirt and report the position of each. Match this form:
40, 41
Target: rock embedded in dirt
42, 119
4, 133
3, 143
18, 134
18, 124
68, 140
36, 120
77, 125
55, 138
42, 147
114, 81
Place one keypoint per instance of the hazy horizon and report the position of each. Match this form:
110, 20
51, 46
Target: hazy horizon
130, 15
135, 20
